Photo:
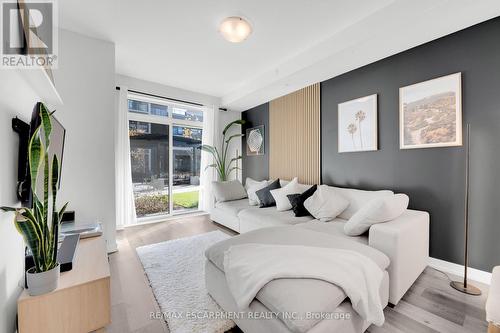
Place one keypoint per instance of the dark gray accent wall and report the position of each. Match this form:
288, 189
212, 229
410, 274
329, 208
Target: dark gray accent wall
433, 178
256, 167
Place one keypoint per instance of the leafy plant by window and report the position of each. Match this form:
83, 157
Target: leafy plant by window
39, 225
222, 164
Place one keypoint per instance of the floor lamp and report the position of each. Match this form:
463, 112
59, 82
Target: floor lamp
464, 286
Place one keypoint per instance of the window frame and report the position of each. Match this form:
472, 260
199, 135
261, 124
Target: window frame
170, 122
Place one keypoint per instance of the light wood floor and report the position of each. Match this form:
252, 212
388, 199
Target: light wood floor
429, 306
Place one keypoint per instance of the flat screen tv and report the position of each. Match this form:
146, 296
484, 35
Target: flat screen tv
25, 131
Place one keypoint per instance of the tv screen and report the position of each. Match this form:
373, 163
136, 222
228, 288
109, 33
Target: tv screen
57, 137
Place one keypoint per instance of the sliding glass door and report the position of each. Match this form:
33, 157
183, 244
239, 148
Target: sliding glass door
165, 157
149, 150
186, 169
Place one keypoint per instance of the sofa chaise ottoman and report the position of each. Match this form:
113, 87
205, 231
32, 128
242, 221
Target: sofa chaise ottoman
293, 305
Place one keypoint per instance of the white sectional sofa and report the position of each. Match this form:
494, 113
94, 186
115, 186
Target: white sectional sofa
405, 240
239, 216
493, 302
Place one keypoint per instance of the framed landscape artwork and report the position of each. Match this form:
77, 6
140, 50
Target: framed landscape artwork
430, 113
357, 125
255, 141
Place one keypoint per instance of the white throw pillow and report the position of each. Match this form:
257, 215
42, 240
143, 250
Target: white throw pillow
253, 186
228, 191
326, 203
280, 195
303, 187
378, 210
358, 198
284, 182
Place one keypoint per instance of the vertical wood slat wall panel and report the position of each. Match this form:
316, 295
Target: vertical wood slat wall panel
294, 136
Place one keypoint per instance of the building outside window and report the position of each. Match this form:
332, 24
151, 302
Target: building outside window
187, 114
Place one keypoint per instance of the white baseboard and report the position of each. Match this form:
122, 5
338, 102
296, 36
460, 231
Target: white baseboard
456, 269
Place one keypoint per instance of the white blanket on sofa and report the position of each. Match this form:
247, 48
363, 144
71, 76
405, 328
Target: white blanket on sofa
249, 267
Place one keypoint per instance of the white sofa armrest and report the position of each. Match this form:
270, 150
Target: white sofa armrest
493, 302
405, 241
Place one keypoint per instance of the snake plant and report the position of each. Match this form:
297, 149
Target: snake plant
222, 165
39, 225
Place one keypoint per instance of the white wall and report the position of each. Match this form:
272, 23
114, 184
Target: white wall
85, 80
165, 91
16, 99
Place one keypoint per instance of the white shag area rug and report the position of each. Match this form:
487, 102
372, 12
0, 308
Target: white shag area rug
176, 273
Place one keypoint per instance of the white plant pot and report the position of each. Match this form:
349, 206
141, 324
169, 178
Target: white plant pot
42, 283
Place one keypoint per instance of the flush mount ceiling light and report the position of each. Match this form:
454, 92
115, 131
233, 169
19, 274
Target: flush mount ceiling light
235, 29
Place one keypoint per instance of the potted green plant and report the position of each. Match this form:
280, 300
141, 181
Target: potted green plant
221, 163
39, 225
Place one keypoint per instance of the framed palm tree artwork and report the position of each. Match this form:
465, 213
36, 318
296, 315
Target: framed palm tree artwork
357, 125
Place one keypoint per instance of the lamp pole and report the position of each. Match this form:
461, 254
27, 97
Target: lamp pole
464, 286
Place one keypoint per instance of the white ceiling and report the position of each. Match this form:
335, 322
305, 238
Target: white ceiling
294, 42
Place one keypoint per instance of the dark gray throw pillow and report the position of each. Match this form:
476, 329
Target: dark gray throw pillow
297, 201
264, 195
